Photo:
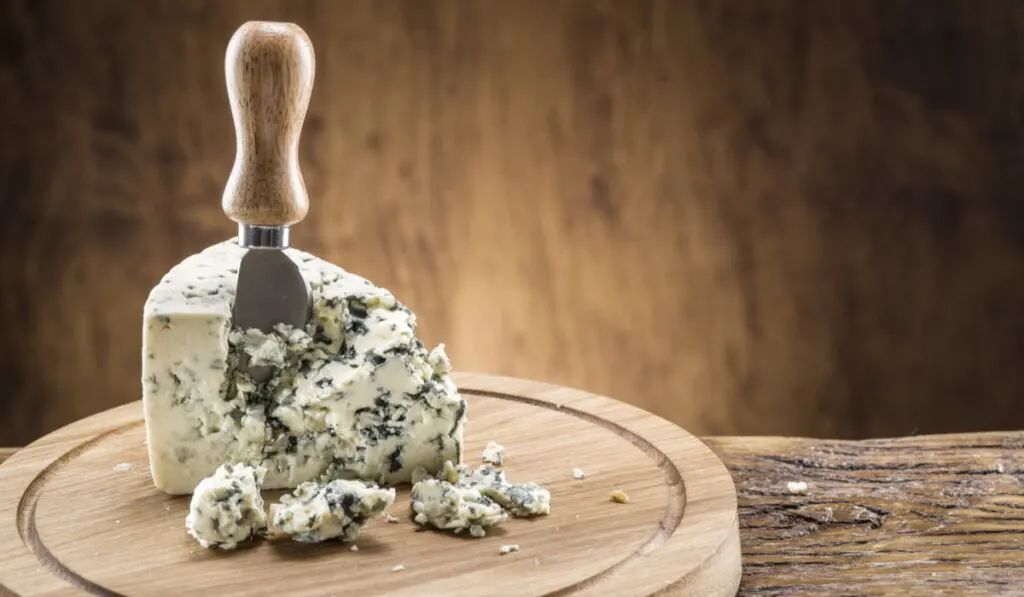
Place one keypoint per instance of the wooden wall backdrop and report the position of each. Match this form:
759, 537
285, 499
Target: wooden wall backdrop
757, 217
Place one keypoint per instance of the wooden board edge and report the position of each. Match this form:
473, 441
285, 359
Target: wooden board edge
710, 495
29, 467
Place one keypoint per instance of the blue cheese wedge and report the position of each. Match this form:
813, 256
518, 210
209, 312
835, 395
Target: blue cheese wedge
337, 510
226, 508
354, 395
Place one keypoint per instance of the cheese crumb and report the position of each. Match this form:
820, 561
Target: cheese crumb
578, 473
507, 549
398, 568
494, 453
618, 496
340, 509
124, 466
466, 498
227, 508
392, 519
797, 487
354, 548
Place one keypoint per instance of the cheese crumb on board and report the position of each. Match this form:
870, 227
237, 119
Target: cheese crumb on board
474, 499
618, 496
524, 499
337, 510
494, 453
353, 395
398, 568
227, 508
354, 547
520, 499
578, 473
444, 506
796, 487
507, 549
123, 467
392, 519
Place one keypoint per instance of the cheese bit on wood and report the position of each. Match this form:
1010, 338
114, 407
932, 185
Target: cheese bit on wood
398, 568
494, 453
337, 510
474, 499
392, 519
796, 487
578, 473
226, 508
619, 497
507, 549
449, 507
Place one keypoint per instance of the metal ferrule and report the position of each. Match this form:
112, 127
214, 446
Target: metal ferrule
263, 237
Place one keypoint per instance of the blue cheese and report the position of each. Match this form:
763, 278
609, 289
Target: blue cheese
226, 508
338, 510
494, 453
442, 505
519, 499
525, 499
354, 395
467, 498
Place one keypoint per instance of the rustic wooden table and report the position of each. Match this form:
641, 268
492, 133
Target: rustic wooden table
939, 514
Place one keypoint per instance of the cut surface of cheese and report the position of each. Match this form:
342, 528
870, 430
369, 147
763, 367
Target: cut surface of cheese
355, 395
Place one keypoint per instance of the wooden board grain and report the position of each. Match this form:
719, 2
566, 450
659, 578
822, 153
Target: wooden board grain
79, 513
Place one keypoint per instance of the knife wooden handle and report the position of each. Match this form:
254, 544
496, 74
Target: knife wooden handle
269, 69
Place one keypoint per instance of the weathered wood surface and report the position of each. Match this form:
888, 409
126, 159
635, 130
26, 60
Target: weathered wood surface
935, 515
771, 217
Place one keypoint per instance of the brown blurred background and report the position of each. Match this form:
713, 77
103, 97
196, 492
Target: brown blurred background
751, 217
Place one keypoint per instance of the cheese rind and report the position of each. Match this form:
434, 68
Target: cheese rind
355, 395
226, 508
338, 510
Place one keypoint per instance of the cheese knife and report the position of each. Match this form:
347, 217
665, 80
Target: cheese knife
269, 69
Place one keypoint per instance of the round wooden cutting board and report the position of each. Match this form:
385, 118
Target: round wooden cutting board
79, 515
